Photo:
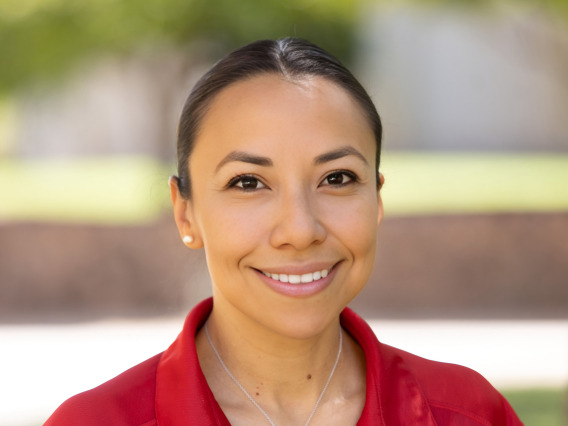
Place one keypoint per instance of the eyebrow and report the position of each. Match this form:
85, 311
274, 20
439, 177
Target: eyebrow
340, 153
244, 157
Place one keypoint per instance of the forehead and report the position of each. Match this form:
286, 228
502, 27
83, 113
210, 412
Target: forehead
272, 108
275, 90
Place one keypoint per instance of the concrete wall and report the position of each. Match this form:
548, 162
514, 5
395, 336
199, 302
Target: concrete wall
486, 266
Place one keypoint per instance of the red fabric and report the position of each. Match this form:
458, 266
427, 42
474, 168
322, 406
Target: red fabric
402, 389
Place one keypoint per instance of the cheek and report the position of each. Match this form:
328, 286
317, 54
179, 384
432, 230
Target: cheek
355, 223
363, 243
230, 231
355, 227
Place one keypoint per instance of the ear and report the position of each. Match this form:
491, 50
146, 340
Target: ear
183, 215
381, 210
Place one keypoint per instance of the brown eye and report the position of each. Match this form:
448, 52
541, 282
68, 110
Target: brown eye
246, 183
339, 178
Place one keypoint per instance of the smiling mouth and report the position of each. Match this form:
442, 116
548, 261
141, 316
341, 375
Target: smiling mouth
298, 279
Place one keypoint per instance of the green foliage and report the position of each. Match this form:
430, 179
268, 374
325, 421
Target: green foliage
43, 38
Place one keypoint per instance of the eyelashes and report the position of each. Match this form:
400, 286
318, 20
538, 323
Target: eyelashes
334, 179
340, 178
246, 183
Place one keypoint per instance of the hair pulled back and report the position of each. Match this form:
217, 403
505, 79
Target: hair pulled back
291, 58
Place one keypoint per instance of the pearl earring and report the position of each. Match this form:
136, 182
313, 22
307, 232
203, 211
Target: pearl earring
187, 239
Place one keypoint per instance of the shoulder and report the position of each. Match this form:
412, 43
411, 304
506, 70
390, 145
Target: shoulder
454, 393
407, 385
128, 399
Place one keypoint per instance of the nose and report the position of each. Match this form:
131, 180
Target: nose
296, 222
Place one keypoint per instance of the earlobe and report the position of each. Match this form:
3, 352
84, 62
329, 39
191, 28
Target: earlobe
183, 215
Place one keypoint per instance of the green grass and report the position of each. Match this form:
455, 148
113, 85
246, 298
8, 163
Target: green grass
134, 189
101, 190
418, 183
540, 407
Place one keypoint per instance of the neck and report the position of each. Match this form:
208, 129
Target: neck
283, 373
275, 363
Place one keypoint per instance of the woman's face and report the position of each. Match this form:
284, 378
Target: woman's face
284, 190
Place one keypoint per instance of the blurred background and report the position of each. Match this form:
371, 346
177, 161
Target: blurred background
472, 263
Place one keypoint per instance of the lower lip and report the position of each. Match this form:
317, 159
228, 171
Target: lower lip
299, 290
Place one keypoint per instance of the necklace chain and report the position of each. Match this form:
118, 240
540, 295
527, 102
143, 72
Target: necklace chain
264, 413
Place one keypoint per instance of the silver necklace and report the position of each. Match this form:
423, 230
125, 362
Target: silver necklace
264, 413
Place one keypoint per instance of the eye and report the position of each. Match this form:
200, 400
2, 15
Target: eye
339, 178
246, 183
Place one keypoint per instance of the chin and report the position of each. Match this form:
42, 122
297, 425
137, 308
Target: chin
305, 321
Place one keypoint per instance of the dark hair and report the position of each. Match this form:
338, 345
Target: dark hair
292, 58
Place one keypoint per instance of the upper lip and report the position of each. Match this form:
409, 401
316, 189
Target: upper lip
299, 269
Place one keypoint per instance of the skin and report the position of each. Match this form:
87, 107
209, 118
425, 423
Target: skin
297, 210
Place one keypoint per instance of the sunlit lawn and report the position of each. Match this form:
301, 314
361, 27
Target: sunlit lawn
540, 407
98, 190
418, 183
134, 189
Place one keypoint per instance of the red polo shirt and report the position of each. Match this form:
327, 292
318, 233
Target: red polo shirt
402, 389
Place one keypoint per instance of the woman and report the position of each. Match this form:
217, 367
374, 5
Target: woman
278, 156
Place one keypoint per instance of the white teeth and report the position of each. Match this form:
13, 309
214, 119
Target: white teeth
294, 279
298, 279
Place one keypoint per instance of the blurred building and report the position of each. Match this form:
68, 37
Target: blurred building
476, 79
117, 105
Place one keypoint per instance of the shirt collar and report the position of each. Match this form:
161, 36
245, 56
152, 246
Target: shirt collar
182, 393
393, 395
